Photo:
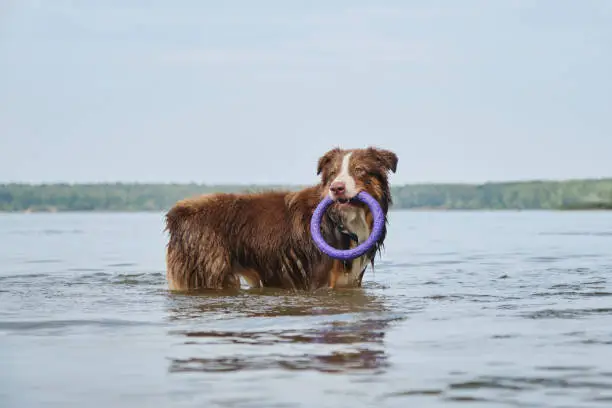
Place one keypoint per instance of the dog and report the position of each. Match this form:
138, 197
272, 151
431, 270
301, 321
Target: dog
264, 237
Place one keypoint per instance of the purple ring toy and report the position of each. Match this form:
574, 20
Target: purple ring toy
347, 254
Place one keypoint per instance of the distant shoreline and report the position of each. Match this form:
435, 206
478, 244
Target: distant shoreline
411, 209
569, 195
391, 210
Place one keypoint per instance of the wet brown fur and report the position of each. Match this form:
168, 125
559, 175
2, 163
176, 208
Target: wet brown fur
265, 237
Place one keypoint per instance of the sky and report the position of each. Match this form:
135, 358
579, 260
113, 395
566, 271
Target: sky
254, 92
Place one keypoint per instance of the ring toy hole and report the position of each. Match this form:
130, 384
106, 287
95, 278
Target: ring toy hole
365, 246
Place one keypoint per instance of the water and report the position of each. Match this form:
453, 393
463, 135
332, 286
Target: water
485, 309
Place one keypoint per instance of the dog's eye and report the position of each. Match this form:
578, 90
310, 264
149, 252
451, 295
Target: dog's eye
360, 171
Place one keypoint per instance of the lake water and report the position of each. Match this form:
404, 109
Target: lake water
464, 309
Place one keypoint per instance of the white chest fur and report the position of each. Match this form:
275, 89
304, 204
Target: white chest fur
355, 221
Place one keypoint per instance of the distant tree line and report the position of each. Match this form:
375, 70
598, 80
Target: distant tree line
530, 195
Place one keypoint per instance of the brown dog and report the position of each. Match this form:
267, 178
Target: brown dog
265, 237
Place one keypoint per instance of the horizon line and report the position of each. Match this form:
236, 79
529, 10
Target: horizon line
201, 183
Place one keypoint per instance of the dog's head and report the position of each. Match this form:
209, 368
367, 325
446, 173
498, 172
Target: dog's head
344, 173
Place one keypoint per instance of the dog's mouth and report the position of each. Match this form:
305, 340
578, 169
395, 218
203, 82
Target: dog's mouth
344, 202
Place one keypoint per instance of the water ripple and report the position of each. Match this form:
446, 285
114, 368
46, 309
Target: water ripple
566, 313
529, 383
62, 324
336, 362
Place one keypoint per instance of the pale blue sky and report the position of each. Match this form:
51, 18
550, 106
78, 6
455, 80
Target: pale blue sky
255, 91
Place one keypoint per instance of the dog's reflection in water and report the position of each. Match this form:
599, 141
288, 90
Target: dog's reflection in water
327, 332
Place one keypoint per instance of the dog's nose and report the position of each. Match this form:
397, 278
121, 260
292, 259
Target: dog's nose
338, 187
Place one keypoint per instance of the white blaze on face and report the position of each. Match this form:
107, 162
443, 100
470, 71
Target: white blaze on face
345, 177
354, 221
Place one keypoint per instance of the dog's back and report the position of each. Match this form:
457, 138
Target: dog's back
264, 237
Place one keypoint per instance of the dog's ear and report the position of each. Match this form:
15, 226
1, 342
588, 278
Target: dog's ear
326, 159
386, 157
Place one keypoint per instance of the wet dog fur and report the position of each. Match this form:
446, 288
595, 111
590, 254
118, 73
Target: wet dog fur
264, 238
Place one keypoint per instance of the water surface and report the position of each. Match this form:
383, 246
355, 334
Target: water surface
464, 309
